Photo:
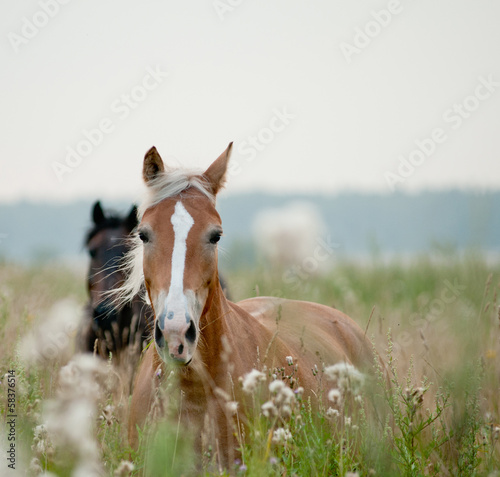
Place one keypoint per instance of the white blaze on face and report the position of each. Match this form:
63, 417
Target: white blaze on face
176, 306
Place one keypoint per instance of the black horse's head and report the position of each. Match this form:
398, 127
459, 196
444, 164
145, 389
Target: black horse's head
106, 243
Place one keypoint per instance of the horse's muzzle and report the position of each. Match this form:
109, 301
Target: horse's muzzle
104, 314
176, 344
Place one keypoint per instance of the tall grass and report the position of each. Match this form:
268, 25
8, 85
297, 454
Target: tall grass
433, 410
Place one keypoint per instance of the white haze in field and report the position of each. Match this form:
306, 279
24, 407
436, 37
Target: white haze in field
318, 96
291, 235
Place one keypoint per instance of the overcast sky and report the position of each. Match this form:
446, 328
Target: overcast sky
319, 96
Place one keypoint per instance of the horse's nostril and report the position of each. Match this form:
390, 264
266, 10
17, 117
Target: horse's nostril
181, 349
160, 340
191, 332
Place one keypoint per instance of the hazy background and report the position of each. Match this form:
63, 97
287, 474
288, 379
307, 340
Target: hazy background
230, 67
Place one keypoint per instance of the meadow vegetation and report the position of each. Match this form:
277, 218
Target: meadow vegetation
434, 320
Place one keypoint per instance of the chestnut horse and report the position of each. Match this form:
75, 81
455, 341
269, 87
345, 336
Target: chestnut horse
108, 327
195, 325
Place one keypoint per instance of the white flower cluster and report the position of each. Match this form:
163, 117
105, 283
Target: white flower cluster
415, 396
70, 417
51, 340
251, 380
346, 377
332, 413
281, 402
281, 435
125, 469
335, 396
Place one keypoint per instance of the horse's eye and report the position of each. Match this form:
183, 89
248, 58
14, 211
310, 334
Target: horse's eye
215, 237
93, 252
143, 236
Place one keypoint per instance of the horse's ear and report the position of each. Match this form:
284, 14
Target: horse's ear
131, 221
216, 173
98, 214
153, 165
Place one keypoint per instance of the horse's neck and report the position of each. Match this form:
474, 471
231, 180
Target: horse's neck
213, 326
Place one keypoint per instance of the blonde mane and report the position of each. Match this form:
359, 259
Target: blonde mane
171, 183
167, 184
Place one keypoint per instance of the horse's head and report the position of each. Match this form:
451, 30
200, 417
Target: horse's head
179, 231
106, 244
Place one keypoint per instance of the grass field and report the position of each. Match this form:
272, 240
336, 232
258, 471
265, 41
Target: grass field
435, 321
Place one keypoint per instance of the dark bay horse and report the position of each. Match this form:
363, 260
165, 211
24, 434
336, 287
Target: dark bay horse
175, 258
108, 328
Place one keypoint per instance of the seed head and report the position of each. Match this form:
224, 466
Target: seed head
335, 396
251, 380
281, 435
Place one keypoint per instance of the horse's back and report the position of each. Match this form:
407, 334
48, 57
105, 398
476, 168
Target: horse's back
312, 330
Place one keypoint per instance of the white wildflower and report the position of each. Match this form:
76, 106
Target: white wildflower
346, 377
289, 360
251, 380
269, 409
82, 377
107, 414
284, 395
335, 396
41, 443
276, 386
124, 469
332, 413
282, 400
35, 466
232, 407
415, 396
52, 338
281, 435
347, 421
71, 415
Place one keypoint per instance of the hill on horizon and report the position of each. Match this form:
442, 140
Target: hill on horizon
360, 223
